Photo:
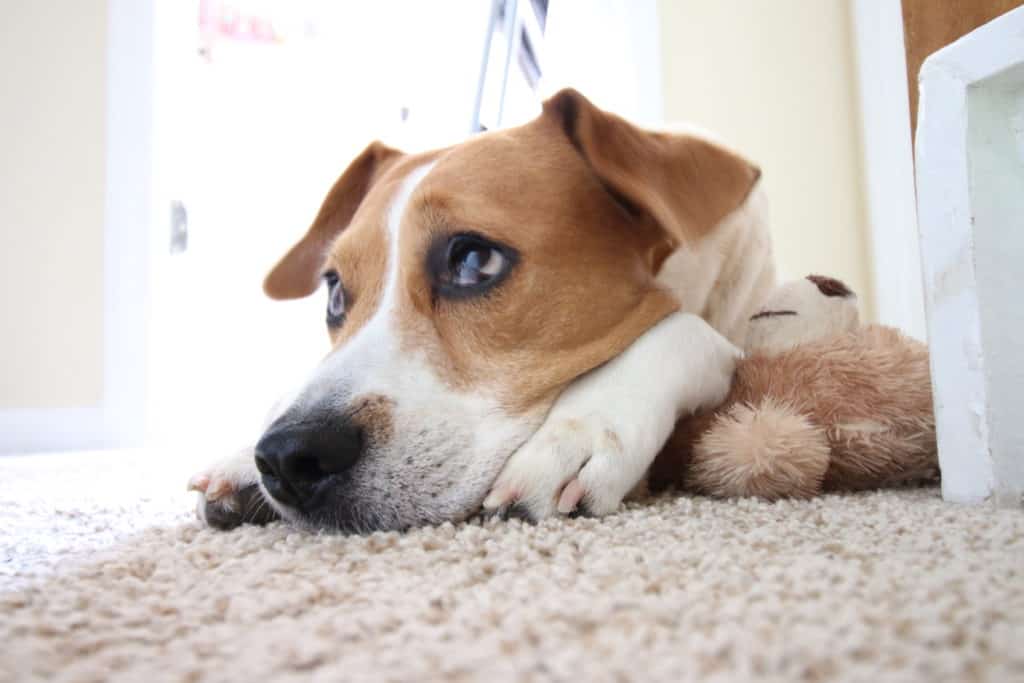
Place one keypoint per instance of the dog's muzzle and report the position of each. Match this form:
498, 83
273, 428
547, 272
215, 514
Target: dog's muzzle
296, 456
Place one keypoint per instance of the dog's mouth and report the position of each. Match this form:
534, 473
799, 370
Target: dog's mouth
419, 473
365, 501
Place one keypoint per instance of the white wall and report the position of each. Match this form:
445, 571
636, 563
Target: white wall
777, 81
889, 164
609, 51
52, 169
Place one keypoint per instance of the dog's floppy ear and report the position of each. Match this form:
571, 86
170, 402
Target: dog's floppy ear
686, 184
297, 274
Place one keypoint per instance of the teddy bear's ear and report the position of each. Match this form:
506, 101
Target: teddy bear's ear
802, 311
830, 286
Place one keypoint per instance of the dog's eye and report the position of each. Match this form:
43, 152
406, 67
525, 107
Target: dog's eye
335, 299
472, 262
468, 264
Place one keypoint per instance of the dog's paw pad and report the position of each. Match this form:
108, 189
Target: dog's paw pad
221, 489
600, 485
500, 497
570, 497
245, 506
569, 466
510, 510
596, 491
229, 493
199, 482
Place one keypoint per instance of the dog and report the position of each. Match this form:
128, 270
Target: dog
517, 323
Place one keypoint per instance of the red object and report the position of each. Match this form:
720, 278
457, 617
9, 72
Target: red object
220, 20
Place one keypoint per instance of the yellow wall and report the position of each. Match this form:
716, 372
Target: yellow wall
52, 151
776, 80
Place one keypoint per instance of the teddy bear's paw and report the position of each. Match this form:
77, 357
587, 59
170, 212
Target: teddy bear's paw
768, 450
572, 465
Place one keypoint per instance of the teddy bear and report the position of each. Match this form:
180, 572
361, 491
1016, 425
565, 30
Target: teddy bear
818, 403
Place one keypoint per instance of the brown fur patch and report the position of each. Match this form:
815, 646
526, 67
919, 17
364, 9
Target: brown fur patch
687, 184
373, 412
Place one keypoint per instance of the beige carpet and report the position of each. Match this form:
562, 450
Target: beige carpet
106, 578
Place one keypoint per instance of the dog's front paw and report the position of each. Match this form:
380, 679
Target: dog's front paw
569, 465
606, 428
229, 493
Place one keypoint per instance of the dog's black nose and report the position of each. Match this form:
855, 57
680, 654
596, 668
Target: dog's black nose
295, 456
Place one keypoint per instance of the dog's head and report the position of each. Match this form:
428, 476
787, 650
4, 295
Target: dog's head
466, 288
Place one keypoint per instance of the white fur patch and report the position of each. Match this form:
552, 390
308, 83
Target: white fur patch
377, 339
726, 275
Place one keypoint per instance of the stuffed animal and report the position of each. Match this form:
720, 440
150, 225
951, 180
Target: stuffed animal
818, 403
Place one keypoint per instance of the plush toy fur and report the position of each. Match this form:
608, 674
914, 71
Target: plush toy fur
819, 403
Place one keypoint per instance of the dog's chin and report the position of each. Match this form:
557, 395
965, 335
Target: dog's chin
344, 508
363, 520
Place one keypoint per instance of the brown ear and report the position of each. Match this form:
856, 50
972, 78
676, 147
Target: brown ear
685, 183
297, 274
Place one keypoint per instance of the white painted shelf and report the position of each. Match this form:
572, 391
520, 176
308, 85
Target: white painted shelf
970, 205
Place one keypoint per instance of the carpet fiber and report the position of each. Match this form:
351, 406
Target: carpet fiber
105, 577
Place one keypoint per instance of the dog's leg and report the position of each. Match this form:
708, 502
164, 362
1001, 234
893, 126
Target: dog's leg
229, 493
606, 428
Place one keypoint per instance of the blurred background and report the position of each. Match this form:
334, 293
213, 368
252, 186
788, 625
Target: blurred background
157, 156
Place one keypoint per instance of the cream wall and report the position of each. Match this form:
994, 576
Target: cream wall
52, 160
776, 80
